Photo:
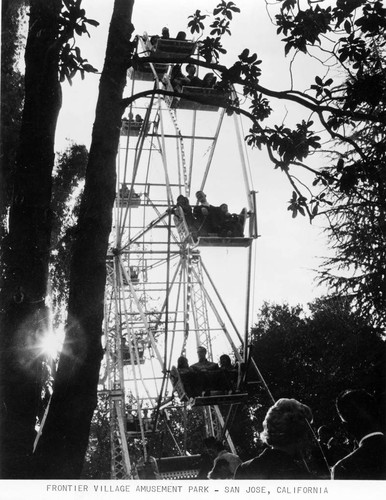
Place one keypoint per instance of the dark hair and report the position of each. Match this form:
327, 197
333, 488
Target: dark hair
182, 199
226, 359
182, 362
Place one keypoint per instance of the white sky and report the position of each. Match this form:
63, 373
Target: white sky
288, 249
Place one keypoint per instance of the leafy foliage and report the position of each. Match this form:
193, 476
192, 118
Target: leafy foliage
97, 460
357, 226
314, 356
305, 27
73, 22
196, 24
346, 120
210, 48
70, 173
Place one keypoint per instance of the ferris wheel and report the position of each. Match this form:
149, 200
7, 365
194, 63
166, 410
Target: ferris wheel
162, 299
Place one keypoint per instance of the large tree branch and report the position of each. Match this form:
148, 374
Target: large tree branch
297, 97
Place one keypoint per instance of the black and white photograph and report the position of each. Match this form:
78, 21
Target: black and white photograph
193, 249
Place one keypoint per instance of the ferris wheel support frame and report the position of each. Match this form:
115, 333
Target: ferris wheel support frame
216, 416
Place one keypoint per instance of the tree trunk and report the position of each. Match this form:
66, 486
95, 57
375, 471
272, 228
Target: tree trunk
62, 446
26, 248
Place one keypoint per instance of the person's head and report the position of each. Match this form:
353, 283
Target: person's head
358, 411
190, 69
153, 39
224, 208
181, 35
209, 80
286, 425
201, 353
225, 361
221, 470
182, 363
201, 197
182, 200
165, 33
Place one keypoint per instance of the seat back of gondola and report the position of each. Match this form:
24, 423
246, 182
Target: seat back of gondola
180, 467
207, 388
173, 48
195, 98
208, 99
147, 72
133, 128
127, 198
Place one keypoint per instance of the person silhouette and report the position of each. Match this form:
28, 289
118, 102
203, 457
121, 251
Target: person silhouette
285, 431
359, 413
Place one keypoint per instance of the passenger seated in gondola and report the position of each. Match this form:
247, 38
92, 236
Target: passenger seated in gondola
230, 224
210, 375
193, 384
181, 35
130, 421
165, 33
207, 215
146, 419
125, 194
203, 363
230, 371
226, 363
209, 80
182, 364
125, 125
130, 124
177, 79
183, 202
152, 42
203, 378
193, 80
124, 191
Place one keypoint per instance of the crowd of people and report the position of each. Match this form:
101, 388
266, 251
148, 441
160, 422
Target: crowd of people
205, 219
288, 445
